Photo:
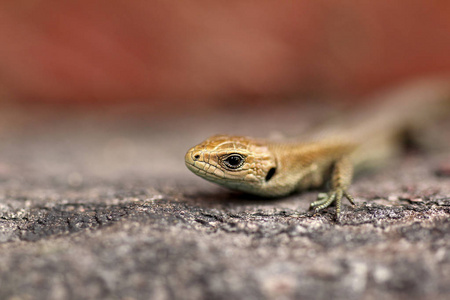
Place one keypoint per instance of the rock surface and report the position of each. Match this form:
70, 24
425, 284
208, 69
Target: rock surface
94, 208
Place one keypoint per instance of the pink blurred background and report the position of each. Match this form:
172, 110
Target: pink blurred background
167, 52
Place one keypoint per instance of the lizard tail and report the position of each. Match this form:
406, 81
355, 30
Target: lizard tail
380, 129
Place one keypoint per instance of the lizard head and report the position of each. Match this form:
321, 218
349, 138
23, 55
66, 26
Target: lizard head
236, 162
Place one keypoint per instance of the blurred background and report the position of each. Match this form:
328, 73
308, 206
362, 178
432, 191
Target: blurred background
175, 57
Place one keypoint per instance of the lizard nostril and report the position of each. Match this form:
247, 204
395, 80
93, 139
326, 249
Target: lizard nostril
197, 156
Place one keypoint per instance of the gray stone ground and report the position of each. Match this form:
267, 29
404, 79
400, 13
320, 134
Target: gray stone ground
100, 205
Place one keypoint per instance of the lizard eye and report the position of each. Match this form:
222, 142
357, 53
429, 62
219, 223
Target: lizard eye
233, 161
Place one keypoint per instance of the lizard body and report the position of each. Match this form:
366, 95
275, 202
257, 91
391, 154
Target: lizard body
273, 169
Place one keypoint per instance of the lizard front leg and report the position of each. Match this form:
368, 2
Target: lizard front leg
341, 178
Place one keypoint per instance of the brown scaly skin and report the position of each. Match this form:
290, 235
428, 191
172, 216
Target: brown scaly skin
272, 169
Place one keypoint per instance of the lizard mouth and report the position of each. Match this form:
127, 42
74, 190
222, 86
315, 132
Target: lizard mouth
206, 170
211, 172
195, 167
199, 167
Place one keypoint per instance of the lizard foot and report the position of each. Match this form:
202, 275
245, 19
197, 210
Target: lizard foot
326, 199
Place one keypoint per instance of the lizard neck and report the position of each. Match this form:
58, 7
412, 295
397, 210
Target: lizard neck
303, 165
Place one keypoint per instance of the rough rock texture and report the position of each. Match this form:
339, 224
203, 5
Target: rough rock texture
95, 208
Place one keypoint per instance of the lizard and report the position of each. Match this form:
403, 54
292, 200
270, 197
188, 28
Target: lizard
275, 169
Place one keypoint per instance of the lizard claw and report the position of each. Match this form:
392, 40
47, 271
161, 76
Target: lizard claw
325, 200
